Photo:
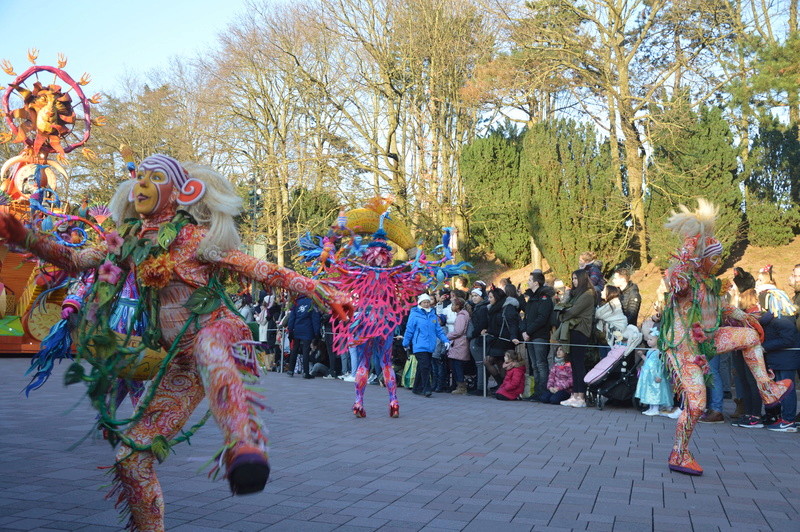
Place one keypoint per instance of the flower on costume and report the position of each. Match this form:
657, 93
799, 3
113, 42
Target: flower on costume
109, 273
156, 272
114, 242
698, 334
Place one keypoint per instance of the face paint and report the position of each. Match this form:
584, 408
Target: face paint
151, 192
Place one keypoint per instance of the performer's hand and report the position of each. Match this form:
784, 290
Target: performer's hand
752, 322
11, 229
342, 312
67, 311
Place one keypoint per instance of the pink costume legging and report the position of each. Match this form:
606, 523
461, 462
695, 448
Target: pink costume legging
207, 367
383, 346
692, 383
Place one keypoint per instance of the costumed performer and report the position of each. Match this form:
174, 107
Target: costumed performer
696, 325
382, 294
178, 236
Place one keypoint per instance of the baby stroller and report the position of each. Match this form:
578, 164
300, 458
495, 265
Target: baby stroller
615, 376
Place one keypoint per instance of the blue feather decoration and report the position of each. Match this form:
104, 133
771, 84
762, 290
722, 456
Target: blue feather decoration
56, 345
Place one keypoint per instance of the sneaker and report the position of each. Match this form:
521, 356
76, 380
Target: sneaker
350, 378
328, 377
652, 411
372, 378
749, 422
342, 377
290, 373
782, 426
712, 416
675, 414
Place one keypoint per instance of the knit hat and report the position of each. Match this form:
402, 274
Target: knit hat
476, 292
423, 297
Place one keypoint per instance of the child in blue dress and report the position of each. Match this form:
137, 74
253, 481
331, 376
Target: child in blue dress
653, 388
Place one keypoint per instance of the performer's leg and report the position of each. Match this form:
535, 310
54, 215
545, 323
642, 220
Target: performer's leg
693, 388
362, 373
388, 375
217, 350
746, 339
179, 392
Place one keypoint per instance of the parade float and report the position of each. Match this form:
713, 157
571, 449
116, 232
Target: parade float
48, 117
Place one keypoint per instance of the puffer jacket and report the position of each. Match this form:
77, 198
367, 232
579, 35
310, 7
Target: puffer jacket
780, 335
422, 331
610, 318
631, 302
459, 345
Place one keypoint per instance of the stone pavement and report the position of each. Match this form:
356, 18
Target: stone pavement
448, 463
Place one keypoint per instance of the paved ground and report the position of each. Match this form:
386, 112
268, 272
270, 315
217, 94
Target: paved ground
448, 463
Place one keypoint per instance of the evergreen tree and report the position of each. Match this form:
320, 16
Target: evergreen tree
772, 181
490, 171
693, 157
570, 199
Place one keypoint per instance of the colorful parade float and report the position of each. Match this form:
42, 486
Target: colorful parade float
48, 117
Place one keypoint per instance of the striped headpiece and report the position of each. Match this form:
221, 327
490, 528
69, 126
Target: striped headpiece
169, 166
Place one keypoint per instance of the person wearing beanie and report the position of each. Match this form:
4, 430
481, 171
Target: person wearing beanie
422, 331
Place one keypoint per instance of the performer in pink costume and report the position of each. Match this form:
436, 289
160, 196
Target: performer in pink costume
696, 325
176, 256
382, 296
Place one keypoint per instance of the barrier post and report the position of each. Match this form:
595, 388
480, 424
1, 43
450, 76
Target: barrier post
483, 361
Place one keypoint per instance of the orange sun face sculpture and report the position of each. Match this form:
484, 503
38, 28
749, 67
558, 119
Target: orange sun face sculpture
46, 114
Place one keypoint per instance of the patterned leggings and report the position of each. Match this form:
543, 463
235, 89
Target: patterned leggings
692, 384
384, 348
211, 371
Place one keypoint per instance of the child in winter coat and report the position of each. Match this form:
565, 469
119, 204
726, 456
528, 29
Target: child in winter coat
559, 381
653, 387
514, 382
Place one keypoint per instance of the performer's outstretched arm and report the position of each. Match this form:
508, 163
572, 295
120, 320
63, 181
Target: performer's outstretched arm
71, 260
276, 276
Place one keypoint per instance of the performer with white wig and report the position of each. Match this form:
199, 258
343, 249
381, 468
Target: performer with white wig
177, 234
696, 325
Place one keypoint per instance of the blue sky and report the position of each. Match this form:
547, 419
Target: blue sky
112, 38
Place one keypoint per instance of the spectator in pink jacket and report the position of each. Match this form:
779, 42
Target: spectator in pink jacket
459, 344
559, 382
514, 382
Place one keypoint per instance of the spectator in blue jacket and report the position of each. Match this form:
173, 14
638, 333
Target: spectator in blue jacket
304, 326
422, 331
780, 336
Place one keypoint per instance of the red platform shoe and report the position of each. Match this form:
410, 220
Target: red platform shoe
359, 411
684, 463
247, 469
394, 410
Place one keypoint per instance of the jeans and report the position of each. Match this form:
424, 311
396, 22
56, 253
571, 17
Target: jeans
458, 370
537, 360
439, 370
554, 398
716, 392
476, 351
422, 380
746, 387
789, 401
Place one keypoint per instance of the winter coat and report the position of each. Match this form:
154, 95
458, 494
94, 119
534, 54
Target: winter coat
480, 319
610, 318
780, 334
449, 316
581, 309
503, 326
459, 345
514, 383
538, 310
422, 331
596, 275
560, 377
631, 302
304, 320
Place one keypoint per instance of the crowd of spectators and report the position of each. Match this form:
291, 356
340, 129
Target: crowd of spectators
537, 342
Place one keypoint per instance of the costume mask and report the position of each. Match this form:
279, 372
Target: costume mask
157, 176
712, 256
